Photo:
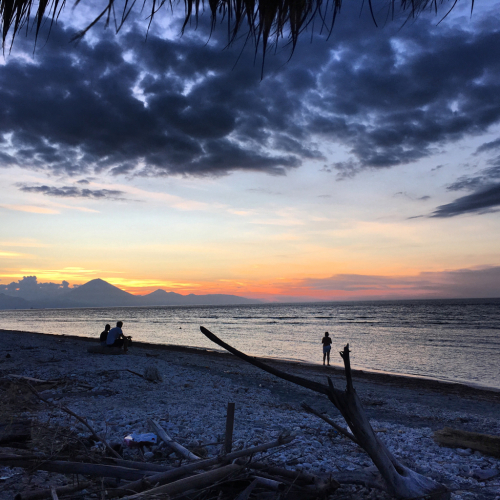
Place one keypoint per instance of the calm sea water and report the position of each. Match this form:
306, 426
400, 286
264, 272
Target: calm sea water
456, 340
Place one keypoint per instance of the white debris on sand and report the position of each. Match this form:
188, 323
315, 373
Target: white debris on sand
191, 400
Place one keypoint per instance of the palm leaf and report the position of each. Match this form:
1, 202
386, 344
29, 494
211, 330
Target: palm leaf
264, 20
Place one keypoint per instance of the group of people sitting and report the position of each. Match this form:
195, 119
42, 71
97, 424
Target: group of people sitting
113, 337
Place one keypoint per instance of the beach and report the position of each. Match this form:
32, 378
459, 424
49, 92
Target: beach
191, 400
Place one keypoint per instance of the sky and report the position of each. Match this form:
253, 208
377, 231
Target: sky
365, 166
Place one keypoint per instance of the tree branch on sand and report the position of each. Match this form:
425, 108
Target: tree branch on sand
401, 481
259, 20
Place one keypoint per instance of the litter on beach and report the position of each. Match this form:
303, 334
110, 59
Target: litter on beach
136, 439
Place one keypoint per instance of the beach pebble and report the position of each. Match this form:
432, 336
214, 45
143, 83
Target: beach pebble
484, 474
463, 452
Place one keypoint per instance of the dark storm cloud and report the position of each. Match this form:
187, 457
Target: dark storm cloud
489, 146
387, 96
482, 201
485, 196
7, 160
72, 192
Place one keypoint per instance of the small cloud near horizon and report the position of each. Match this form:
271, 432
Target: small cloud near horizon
483, 282
72, 191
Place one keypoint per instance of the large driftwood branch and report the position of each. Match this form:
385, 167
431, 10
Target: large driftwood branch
401, 481
171, 475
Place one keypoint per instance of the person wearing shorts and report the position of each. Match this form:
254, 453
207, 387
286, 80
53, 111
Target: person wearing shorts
327, 347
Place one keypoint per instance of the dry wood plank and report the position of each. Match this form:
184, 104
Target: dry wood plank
454, 438
179, 449
189, 483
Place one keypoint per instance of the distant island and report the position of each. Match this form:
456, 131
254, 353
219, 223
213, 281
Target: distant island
99, 293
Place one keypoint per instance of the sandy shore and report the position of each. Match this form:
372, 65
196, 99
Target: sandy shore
197, 385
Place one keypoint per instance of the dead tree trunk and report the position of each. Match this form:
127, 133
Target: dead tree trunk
401, 481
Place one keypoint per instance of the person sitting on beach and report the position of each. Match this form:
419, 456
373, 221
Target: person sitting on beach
116, 337
327, 347
104, 335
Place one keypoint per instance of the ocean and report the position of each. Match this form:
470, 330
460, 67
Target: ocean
452, 340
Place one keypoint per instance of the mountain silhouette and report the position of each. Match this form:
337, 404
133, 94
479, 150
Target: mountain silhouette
8, 302
100, 293
161, 298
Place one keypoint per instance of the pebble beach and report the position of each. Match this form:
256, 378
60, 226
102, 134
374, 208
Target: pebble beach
191, 399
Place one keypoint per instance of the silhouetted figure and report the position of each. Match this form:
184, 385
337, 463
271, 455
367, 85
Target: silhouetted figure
327, 347
116, 337
104, 335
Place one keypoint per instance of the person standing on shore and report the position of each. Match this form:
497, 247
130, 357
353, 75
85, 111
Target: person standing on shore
327, 347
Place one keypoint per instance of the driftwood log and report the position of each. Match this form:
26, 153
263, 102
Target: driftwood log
173, 474
401, 481
454, 438
189, 483
138, 465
